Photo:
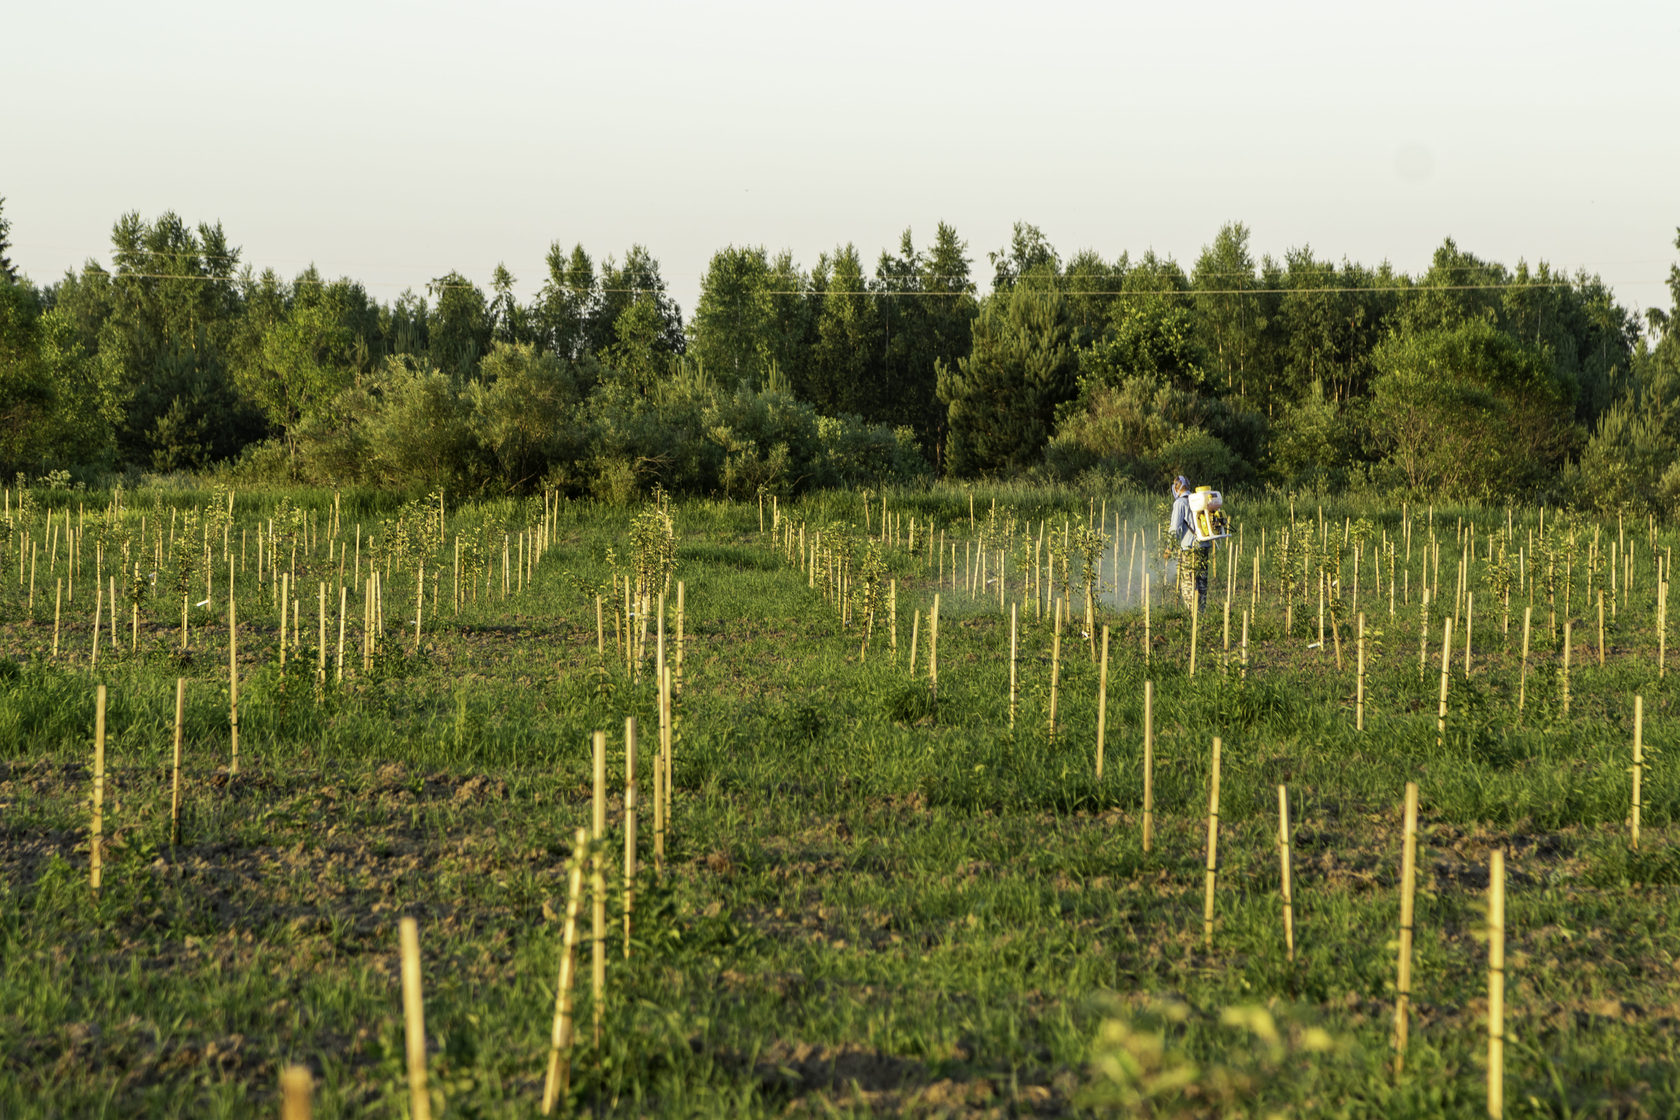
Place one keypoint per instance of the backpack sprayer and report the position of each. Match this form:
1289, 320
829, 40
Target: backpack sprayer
1207, 515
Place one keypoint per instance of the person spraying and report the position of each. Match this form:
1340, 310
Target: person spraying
1197, 521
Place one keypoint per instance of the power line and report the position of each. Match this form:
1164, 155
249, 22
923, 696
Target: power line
1509, 285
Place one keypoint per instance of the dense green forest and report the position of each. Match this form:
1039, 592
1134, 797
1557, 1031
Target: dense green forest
1472, 380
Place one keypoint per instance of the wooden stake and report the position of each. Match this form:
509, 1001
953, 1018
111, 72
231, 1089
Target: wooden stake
1522, 680
598, 890
1496, 985
343, 605
321, 639
1283, 859
1244, 649
1408, 887
414, 1018
559, 1078
58, 610
1469, 628
175, 773
1212, 850
233, 683
1014, 649
1359, 690
629, 827
933, 646
1102, 703
1195, 625
1568, 624
297, 1085
96, 846
1601, 630
1638, 768
1055, 667
285, 598
1446, 660
1148, 764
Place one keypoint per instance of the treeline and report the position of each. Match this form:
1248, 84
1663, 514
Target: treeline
1470, 380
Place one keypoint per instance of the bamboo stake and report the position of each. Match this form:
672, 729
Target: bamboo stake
343, 605
1638, 768
659, 798
1564, 698
1469, 628
1146, 650
414, 1019
297, 1084
669, 747
1014, 651
1195, 627
1601, 632
1225, 656
1212, 850
1496, 985
1662, 628
321, 640
559, 1078
1423, 635
1446, 660
1244, 651
915, 635
1408, 887
175, 772
96, 846
420, 594
1148, 764
98, 598
629, 827
1359, 690
1102, 703
58, 610
933, 646
233, 683
1055, 667
1522, 680
1283, 859
598, 890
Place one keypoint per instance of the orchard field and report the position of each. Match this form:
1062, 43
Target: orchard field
884, 873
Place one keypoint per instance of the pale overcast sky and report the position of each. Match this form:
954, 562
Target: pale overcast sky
392, 142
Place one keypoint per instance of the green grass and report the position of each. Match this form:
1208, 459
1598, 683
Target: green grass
874, 901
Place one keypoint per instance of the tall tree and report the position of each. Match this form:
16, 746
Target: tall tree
636, 281
1151, 330
1028, 256
567, 302
1092, 286
8, 274
459, 329
845, 369
174, 309
1229, 315
510, 322
1002, 398
1467, 411
733, 318
951, 309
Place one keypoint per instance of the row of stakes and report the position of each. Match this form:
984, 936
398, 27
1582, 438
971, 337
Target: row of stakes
587, 844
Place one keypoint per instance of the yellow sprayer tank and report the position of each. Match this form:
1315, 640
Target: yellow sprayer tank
1205, 516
